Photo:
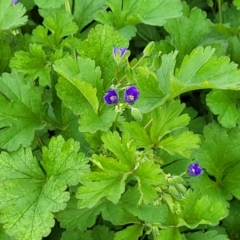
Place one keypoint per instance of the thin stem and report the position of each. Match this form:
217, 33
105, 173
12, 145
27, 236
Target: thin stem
219, 3
68, 9
148, 124
138, 62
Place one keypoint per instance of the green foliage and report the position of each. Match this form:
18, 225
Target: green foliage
106, 168
98, 47
225, 105
22, 111
219, 151
11, 16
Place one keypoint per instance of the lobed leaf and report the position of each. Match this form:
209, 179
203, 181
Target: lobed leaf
62, 160
22, 111
11, 16
27, 199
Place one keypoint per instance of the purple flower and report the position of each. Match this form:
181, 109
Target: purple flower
131, 94
14, 2
119, 52
194, 169
111, 96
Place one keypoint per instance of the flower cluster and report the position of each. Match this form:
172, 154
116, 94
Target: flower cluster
131, 95
194, 169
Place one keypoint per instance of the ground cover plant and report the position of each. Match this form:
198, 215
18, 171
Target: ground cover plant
119, 119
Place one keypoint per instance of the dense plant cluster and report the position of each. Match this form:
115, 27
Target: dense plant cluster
119, 120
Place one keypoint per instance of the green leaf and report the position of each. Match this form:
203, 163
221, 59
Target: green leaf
132, 232
199, 208
78, 95
84, 218
201, 69
121, 147
99, 47
134, 12
4, 236
232, 179
232, 221
149, 177
192, 26
219, 150
84, 11
151, 95
169, 234
166, 119
225, 105
137, 133
157, 12
76, 235
22, 111
102, 233
60, 24
165, 72
27, 199
144, 212
92, 122
109, 183
237, 3
49, 4
181, 144
117, 214
11, 16
212, 234
33, 64
62, 160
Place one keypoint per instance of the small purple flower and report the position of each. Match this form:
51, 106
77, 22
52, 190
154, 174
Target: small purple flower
111, 96
194, 169
14, 2
131, 95
119, 52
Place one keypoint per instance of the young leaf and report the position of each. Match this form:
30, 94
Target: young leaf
21, 113
109, 183
225, 104
219, 150
151, 95
60, 24
92, 122
84, 11
132, 232
149, 177
138, 134
181, 144
62, 160
84, 218
27, 199
11, 16
167, 119
34, 64
121, 147
99, 47
192, 26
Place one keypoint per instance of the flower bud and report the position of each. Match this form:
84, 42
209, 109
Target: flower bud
148, 49
136, 114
